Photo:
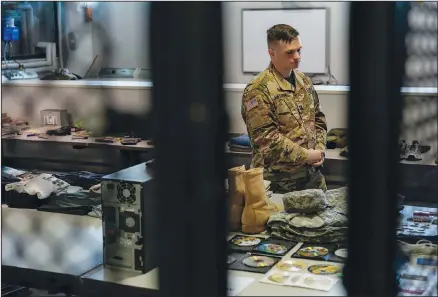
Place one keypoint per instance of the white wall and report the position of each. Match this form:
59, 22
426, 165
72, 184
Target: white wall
119, 34
338, 36
28, 101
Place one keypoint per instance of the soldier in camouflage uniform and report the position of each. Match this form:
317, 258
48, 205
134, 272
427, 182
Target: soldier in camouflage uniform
285, 123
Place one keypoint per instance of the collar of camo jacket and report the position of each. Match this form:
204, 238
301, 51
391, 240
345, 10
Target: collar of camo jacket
283, 83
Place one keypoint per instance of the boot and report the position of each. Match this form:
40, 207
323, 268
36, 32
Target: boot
236, 193
258, 208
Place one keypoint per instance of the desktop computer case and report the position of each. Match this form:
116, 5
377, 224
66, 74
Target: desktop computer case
128, 208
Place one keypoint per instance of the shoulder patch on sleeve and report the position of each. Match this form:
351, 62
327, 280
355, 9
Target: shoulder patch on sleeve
251, 104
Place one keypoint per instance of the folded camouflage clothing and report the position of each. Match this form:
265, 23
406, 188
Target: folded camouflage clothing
337, 138
323, 224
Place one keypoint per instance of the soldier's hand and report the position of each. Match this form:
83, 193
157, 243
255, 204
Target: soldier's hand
317, 164
315, 156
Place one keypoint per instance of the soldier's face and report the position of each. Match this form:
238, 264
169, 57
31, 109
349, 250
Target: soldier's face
286, 55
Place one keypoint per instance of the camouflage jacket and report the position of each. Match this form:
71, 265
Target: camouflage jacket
282, 122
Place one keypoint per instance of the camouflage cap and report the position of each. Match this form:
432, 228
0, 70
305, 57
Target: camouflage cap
306, 201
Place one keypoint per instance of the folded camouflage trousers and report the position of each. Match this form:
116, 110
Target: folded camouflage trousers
327, 236
324, 226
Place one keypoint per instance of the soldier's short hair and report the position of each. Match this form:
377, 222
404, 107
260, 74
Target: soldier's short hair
281, 32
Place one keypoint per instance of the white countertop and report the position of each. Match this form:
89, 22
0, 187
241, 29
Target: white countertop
142, 84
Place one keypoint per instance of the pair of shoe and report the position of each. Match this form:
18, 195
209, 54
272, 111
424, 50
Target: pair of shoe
249, 206
410, 152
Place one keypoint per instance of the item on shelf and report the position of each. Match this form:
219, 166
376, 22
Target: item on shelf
257, 264
313, 252
11, 127
412, 287
291, 265
301, 280
421, 216
337, 138
274, 247
323, 252
236, 197
413, 277
62, 131
279, 277
344, 152
402, 145
83, 179
341, 253
240, 143
105, 140
413, 152
258, 207
130, 141
258, 261
244, 243
325, 226
324, 269
54, 117
305, 201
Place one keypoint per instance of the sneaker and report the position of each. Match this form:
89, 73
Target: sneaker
413, 152
403, 147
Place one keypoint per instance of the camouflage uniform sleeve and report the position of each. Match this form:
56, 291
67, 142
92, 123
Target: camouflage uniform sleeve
320, 123
259, 117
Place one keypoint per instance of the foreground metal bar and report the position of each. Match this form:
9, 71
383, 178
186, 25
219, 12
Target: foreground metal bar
190, 128
377, 59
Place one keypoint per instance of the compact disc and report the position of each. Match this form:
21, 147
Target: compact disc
313, 252
316, 281
231, 259
324, 269
258, 261
272, 248
246, 240
291, 265
341, 253
278, 277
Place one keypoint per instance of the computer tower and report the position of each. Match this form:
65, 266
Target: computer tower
128, 207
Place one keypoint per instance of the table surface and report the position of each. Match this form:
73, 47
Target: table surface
71, 244
51, 242
150, 281
332, 154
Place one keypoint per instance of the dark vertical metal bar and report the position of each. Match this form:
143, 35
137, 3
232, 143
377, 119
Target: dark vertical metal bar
190, 128
377, 59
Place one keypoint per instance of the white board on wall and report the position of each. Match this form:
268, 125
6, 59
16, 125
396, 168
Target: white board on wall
312, 23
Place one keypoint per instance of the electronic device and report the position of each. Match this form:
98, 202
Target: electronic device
54, 117
11, 33
128, 213
13, 74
